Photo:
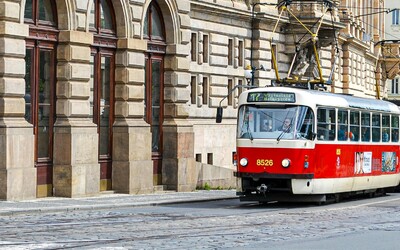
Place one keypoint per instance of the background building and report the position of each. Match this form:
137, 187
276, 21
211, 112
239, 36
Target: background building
121, 95
391, 49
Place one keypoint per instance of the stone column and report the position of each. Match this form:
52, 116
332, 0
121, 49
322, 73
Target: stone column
377, 25
76, 169
17, 171
132, 170
178, 165
346, 68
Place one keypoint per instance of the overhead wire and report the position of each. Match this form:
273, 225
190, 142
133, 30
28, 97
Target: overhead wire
365, 10
361, 8
377, 28
383, 53
379, 10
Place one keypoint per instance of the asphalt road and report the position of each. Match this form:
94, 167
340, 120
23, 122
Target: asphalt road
225, 224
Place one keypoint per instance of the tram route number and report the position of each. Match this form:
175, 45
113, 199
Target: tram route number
264, 162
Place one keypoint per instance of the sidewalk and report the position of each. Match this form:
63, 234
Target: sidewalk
109, 201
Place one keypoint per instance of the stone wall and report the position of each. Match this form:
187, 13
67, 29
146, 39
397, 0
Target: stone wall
208, 45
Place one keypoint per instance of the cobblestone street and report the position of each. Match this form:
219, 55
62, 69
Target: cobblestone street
224, 224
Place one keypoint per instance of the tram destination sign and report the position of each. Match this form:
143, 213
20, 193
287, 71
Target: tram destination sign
271, 97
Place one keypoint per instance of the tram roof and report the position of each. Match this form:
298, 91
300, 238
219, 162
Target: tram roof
334, 99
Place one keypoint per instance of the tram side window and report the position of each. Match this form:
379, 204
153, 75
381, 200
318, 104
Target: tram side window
245, 122
385, 128
365, 126
305, 123
326, 128
354, 134
343, 121
395, 128
376, 127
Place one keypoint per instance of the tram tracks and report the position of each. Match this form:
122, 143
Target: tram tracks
185, 229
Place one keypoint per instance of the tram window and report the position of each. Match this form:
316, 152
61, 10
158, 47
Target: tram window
395, 128
305, 123
365, 119
365, 126
385, 128
326, 128
354, 134
266, 122
376, 127
343, 129
245, 122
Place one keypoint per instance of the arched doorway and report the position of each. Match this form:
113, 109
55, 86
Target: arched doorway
154, 32
102, 25
40, 82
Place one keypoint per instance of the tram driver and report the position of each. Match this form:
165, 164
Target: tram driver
286, 125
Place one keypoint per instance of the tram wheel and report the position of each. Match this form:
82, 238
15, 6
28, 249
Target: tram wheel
338, 198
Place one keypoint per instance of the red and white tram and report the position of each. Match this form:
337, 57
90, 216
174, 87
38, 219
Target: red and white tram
295, 144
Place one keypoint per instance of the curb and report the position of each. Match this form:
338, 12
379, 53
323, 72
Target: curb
88, 207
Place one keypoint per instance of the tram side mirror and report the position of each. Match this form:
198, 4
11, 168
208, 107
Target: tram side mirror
219, 115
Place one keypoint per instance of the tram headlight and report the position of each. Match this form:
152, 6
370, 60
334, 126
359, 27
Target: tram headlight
243, 162
285, 163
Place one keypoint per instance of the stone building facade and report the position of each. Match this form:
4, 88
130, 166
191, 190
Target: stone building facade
390, 50
121, 95
359, 68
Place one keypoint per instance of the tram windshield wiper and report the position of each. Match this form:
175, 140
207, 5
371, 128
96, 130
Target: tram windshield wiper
285, 131
249, 131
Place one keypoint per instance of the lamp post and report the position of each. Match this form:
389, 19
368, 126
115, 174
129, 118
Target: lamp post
249, 72
249, 75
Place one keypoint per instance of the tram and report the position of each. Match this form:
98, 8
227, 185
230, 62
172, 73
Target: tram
308, 145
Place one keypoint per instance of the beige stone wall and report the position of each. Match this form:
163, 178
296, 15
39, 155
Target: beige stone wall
132, 166
391, 51
223, 47
214, 148
17, 172
358, 60
75, 163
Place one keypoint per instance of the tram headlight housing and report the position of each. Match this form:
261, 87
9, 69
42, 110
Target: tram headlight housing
285, 163
243, 162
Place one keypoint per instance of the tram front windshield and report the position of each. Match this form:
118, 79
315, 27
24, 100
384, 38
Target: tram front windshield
275, 122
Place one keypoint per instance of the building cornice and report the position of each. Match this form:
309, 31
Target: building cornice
235, 13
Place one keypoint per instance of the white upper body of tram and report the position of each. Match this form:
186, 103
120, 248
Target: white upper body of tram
321, 149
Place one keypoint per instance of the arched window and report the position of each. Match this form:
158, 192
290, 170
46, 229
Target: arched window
101, 18
40, 82
153, 28
40, 13
102, 25
154, 32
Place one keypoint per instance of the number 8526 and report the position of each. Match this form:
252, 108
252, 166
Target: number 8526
264, 162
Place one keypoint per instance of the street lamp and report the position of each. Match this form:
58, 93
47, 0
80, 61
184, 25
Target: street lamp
249, 72
249, 75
